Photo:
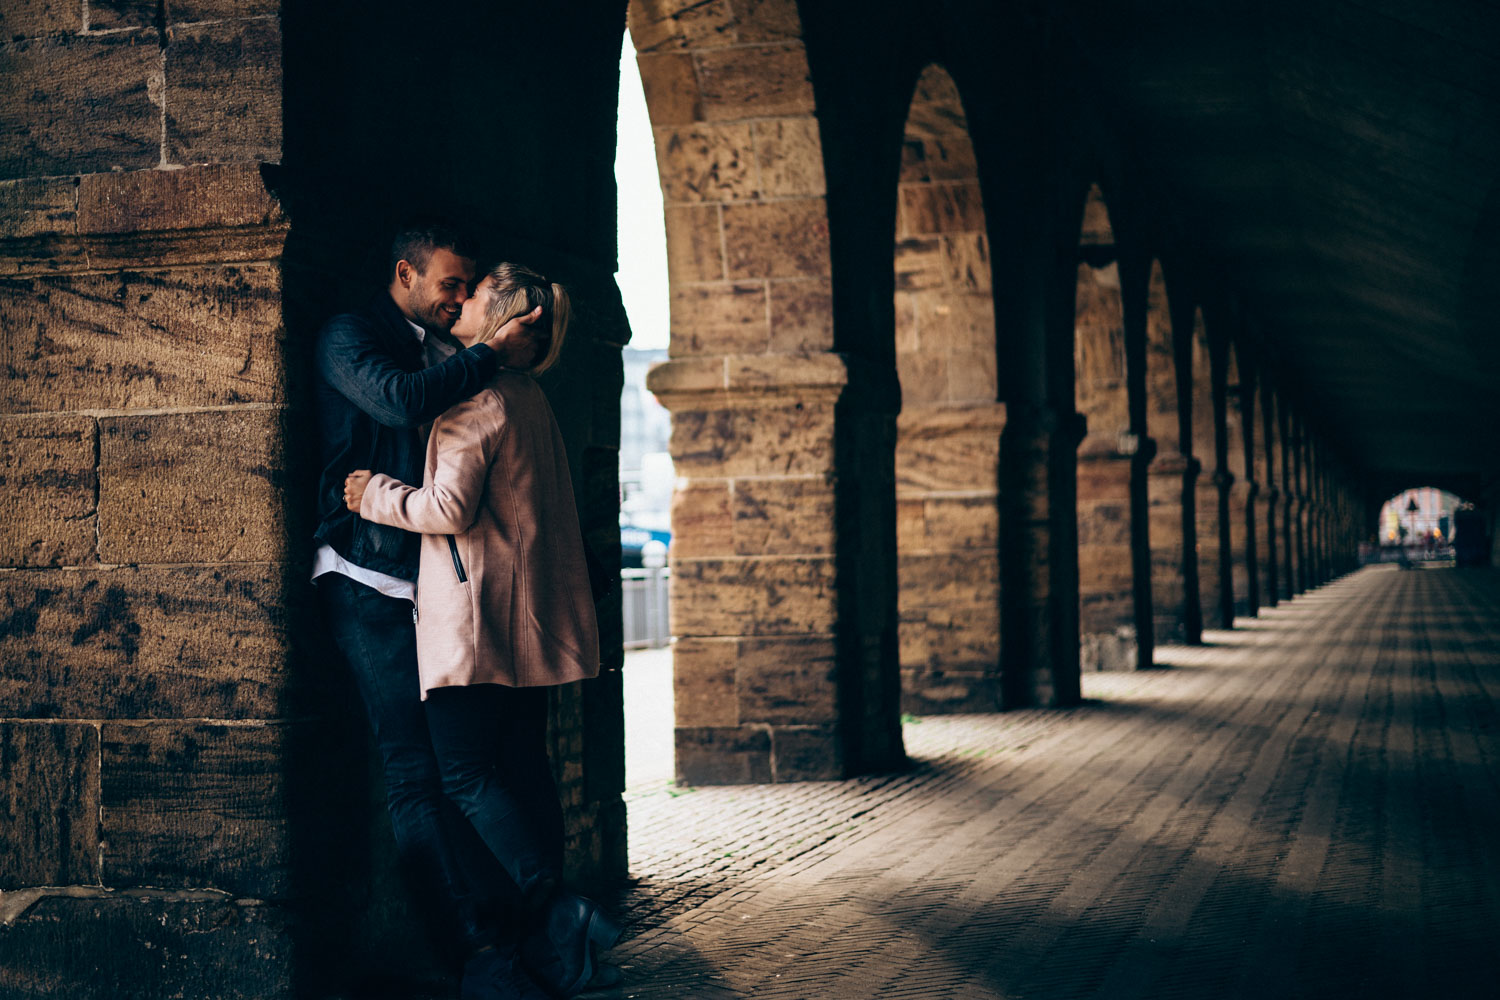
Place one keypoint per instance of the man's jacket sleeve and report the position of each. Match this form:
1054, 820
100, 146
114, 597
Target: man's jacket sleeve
352, 359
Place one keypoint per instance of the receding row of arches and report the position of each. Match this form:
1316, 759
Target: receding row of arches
966, 506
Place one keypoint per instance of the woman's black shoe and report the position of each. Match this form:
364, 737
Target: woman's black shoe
560, 954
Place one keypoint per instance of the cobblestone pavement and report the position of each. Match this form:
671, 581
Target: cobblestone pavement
1305, 806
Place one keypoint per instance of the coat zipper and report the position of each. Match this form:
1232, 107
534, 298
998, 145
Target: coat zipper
458, 564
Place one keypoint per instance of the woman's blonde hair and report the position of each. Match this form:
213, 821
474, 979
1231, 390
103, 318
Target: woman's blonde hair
518, 290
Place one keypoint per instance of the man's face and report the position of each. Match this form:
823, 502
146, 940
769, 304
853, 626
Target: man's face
434, 299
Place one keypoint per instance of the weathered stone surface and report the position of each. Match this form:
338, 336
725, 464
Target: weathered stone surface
30, 18
676, 26
920, 264
801, 315
783, 516
212, 196
701, 520
949, 448
176, 642
771, 596
967, 257
786, 681
199, 337
947, 523
703, 163
926, 209
49, 805
789, 153
703, 682
950, 608
188, 11
722, 755
782, 239
112, 15
146, 946
670, 81
38, 226
1096, 229
192, 487
223, 92
80, 104
792, 439
694, 244
764, 81
806, 753
727, 318
47, 474
195, 805
767, 20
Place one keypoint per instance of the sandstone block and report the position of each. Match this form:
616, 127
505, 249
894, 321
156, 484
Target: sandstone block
80, 104
676, 26
767, 20
925, 692
790, 439
789, 152
192, 487
722, 755
195, 805
49, 804
927, 209
42, 210
783, 239
703, 682
947, 524
670, 81
772, 596
967, 257
789, 681
694, 247
920, 264
806, 753
189, 11
112, 15
801, 315
727, 318
763, 81
224, 92
212, 196
701, 521
145, 947
1096, 227
31, 18
959, 460
47, 472
783, 516
199, 337
706, 163
144, 643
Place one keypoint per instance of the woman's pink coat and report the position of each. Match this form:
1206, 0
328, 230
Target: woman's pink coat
497, 482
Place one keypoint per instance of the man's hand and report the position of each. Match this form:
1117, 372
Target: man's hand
512, 327
354, 488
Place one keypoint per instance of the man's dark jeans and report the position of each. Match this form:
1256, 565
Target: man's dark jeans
491, 744
439, 855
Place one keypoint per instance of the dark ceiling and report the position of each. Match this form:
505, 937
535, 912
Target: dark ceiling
1340, 162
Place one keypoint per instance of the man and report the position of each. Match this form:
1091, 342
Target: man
382, 373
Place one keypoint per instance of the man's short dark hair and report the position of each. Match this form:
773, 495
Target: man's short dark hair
416, 243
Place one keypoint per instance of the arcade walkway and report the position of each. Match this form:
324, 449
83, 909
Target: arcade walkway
1305, 807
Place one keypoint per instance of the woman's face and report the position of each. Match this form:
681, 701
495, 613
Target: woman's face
469, 326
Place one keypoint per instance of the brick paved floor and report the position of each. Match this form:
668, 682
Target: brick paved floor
1304, 807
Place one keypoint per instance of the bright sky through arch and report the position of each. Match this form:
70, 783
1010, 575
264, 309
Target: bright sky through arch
642, 231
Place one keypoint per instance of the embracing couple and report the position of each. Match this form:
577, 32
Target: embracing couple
451, 573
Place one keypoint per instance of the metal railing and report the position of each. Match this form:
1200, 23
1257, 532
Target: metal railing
643, 605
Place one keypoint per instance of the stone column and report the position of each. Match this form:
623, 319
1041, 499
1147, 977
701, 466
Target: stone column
1265, 501
1207, 499
1301, 503
1106, 601
1245, 399
762, 684
1235, 499
1172, 472
1284, 441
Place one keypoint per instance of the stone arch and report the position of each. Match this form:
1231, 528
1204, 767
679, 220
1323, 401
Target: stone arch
1106, 594
765, 686
948, 431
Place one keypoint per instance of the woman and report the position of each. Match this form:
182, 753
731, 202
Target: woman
504, 611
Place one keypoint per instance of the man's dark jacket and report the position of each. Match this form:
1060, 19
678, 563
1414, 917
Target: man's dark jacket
373, 395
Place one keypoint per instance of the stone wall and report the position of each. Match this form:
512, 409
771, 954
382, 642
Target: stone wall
148, 704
